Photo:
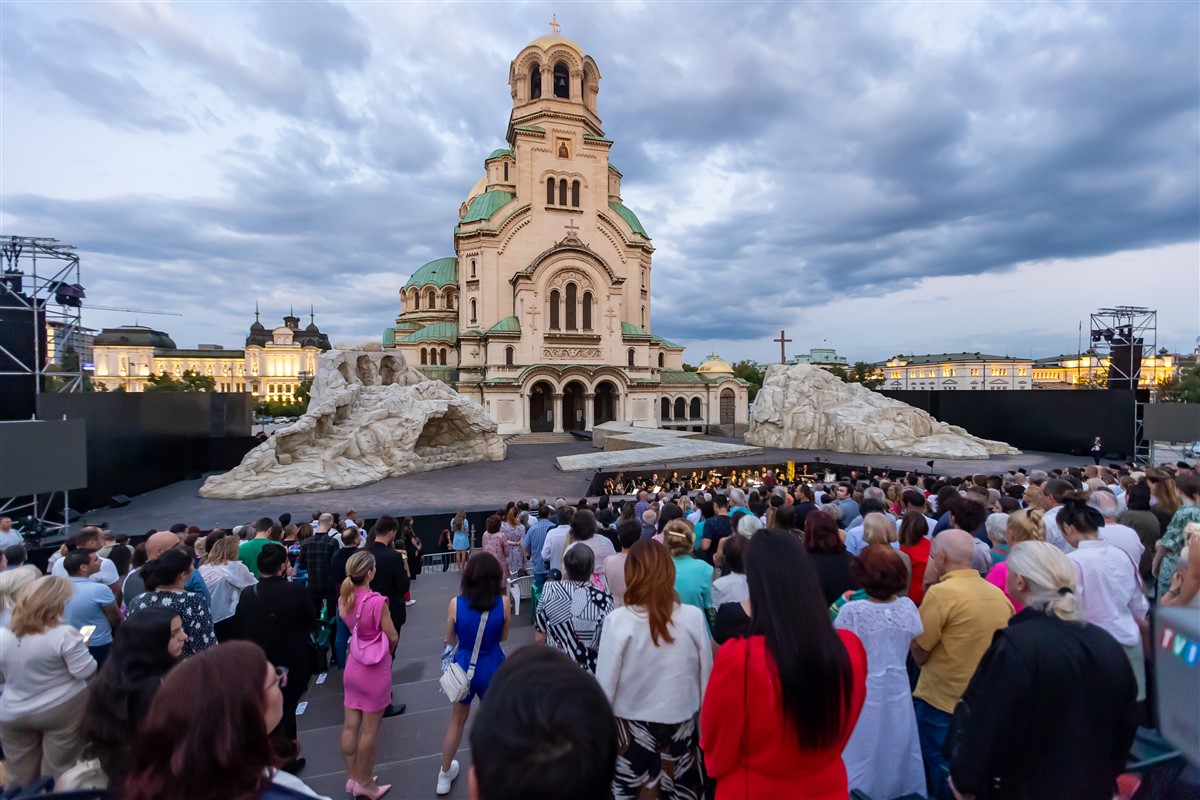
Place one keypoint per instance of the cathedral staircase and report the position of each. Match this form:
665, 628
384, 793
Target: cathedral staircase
541, 438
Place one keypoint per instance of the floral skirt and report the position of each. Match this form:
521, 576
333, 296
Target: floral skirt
658, 760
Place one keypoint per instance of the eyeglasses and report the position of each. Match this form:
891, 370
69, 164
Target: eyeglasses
281, 674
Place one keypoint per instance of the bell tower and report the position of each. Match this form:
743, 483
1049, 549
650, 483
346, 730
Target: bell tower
553, 78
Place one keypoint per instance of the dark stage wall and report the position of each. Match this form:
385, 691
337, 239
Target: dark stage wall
1051, 420
141, 441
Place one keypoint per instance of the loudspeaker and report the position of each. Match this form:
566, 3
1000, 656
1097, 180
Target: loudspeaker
119, 501
71, 515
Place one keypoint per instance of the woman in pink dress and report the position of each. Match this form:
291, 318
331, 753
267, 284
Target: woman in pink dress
368, 674
496, 543
513, 532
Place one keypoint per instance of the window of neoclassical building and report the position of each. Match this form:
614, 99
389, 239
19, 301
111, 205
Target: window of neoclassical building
424, 356
587, 311
473, 268
509, 355
575, 194
506, 172
630, 356
562, 192
662, 361
572, 307
429, 299
555, 302
549, 191
474, 311
535, 81
562, 81
443, 354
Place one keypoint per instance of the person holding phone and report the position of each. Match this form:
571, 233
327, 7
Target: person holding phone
92, 607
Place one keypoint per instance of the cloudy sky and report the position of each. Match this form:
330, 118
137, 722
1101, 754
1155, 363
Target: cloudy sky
882, 178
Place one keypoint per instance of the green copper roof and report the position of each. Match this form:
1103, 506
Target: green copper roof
389, 336
471, 333
437, 332
486, 204
592, 138
506, 325
439, 272
534, 128
499, 153
629, 329
680, 376
661, 342
629, 217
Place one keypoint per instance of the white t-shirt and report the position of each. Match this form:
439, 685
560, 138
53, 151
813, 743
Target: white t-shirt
10, 537
42, 670
107, 575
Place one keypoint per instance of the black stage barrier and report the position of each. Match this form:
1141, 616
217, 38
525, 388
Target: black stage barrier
142, 441
1049, 420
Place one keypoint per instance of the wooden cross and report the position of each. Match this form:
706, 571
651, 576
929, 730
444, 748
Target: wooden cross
783, 340
554, 25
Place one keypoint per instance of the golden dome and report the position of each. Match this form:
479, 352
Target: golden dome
551, 40
477, 189
715, 365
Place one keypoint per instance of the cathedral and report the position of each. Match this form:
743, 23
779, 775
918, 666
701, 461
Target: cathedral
543, 315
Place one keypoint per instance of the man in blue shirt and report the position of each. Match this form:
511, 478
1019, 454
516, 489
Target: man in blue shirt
91, 603
533, 542
845, 501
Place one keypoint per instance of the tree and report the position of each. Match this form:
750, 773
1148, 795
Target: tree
189, 381
304, 392
1181, 388
748, 371
861, 372
690, 368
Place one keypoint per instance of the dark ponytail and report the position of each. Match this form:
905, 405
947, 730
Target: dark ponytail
166, 569
1079, 515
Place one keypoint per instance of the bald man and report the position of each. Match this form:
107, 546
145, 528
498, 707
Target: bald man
156, 545
959, 615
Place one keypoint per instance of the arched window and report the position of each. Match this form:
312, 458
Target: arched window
416, 300
506, 172
680, 408
662, 361
472, 268
666, 408
587, 311
443, 357
562, 192
509, 354
631, 356
575, 194
474, 311
572, 307
643, 318
429, 299
554, 310
549, 191
450, 300
695, 409
535, 81
562, 81
424, 356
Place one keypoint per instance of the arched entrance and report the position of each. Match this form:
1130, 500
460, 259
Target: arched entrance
604, 407
573, 409
541, 407
728, 407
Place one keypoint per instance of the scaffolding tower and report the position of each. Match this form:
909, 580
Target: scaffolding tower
41, 278
1122, 336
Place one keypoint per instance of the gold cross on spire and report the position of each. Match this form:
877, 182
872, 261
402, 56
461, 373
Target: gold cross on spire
554, 24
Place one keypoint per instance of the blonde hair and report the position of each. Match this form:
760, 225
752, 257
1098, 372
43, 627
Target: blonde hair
878, 529
13, 581
1025, 525
40, 605
223, 551
1050, 576
358, 567
679, 537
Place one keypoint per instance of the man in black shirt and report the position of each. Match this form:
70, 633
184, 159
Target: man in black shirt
316, 558
716, 528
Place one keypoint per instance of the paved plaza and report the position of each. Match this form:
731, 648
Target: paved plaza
410, 746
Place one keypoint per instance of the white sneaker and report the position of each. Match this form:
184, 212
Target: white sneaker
447, 778
410, 602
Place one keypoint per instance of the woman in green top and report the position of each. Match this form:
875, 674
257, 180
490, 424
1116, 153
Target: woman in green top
693, 577
1166, 556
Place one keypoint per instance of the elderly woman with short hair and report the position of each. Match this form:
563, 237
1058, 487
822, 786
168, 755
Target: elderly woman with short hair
996, 526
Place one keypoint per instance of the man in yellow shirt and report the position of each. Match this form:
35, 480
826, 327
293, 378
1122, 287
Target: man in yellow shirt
959, 613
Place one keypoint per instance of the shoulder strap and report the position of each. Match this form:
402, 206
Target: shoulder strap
478, 641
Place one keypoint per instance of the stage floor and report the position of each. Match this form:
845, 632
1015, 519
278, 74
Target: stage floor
528, 471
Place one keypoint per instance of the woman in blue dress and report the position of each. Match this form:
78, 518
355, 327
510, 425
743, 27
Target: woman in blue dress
480, 611
460, 533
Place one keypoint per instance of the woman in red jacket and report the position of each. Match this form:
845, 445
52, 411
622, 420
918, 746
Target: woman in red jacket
782, 702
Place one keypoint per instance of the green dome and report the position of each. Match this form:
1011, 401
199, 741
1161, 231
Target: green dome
506, 325
437, 332
499, 153
629, 217
439, 272
487, 204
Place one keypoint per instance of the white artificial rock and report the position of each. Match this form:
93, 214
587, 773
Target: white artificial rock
370, 417
807, 408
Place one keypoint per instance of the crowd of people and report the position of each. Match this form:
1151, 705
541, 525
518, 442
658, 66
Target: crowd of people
984, 636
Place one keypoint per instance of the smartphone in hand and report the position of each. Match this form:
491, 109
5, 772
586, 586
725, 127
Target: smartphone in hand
87, 631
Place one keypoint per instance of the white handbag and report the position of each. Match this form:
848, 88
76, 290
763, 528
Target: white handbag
454, 681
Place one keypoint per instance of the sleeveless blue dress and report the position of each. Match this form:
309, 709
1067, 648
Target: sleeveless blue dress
491, 656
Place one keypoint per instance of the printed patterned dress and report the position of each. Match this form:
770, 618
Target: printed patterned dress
192, 610
513, 534
571, 614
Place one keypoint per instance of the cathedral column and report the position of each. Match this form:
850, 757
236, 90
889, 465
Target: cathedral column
589, 412
558, 413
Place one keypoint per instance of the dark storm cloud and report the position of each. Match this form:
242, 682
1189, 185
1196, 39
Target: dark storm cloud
784, 156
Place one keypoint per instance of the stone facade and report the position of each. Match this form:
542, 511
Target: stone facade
807, 408
543, 315
370, 417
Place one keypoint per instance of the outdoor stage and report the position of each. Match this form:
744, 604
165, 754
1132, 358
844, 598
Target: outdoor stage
528, 471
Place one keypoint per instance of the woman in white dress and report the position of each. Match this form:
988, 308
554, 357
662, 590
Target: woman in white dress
883, 756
